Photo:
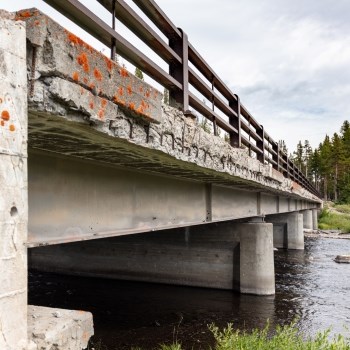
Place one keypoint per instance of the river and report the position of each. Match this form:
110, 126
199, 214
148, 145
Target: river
309, 286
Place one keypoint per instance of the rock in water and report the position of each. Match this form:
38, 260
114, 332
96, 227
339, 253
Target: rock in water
342, 259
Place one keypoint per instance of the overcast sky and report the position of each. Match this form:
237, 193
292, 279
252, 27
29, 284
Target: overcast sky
287, 60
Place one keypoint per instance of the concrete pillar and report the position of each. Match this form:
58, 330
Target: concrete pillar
13, 184
257, 271
307, 219
315, 219
287, 230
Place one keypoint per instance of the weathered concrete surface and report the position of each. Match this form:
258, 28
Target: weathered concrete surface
257, 270
60, 59
287, 230
13, 184
62, 121
58, 329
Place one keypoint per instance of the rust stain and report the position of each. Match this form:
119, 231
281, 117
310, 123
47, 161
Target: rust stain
12, 127
2, 123
75, 76
121, 91
5, 115
97, 74
91, 105
129, 89
84, 62
148, 94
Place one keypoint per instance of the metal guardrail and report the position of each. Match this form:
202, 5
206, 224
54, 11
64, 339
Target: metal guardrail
181, 57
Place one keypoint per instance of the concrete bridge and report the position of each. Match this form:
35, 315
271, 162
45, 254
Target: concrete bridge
99, 178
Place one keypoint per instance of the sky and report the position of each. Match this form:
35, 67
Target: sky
287, 60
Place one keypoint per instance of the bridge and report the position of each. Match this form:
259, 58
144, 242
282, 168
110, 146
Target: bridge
100, 178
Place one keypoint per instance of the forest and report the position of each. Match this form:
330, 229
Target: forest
327, 166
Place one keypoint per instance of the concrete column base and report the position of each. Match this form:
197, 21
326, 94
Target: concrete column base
257, 271
58, 329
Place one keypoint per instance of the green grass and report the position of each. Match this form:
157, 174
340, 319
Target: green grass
285, 338
335, 220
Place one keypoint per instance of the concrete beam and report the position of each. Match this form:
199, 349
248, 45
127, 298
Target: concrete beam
13, 183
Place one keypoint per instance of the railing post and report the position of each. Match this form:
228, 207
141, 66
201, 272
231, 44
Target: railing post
113, 43
276, 157
180, 73
261, 144
235, 139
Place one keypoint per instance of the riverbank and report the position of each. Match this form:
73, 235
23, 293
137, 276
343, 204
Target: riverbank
335, 217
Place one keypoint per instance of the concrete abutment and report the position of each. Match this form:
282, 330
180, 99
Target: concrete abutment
308, 219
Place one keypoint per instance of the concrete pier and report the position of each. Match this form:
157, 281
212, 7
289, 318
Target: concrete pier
287, 230
307, 219
257, 271
13, 183
229, 255
315, 219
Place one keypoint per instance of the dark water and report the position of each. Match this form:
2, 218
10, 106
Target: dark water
309, 285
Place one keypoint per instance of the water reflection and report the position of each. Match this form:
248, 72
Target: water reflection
309, 285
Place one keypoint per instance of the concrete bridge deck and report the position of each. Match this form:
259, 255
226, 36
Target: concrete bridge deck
106, 159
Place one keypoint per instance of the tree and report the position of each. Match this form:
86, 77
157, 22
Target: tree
139, 73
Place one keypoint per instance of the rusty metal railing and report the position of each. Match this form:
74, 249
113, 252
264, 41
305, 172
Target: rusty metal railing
184, 64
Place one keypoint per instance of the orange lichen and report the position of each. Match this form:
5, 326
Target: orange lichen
74, 39
75, 76
148, 94
141, 89
92, 86
12, 127
129, 89
5, 115
108, 63
2, 123
24, 14
85, 80
103, 103
97, 74
0, 100
91, 105
37, 23
124, 73
84, 62
121, 91
132, 105
101, 114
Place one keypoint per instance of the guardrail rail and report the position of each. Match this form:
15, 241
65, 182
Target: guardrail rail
187, 71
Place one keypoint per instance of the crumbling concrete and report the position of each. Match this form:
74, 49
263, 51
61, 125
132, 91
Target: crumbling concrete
13, 182
84, 105
58, 329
